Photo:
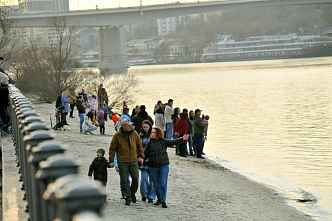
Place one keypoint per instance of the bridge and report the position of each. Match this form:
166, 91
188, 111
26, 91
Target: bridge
112, 34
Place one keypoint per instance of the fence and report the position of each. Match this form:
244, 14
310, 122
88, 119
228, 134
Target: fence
52, 188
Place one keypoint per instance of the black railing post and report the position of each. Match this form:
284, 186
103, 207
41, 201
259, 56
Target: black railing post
40, 153
72, 194
51, 169
52, 187
32, 140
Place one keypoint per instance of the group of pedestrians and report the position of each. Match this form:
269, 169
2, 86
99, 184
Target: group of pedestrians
140, 146
176, 123
89, 120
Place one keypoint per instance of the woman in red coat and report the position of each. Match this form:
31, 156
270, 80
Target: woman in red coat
180, 129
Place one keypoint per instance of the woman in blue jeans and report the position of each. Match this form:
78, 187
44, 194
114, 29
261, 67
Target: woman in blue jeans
156, 152
147, 187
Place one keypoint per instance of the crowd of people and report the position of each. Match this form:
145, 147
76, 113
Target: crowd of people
136, 146
140, 143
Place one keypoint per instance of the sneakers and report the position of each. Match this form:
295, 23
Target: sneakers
164, 205
143, 199
157, 203
150, 201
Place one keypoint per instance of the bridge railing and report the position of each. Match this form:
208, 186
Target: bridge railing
51, 186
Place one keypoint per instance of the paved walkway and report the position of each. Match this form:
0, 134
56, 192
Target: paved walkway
13, 205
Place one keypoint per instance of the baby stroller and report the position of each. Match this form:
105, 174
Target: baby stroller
59, 124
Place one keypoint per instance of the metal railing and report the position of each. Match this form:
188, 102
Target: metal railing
52, 187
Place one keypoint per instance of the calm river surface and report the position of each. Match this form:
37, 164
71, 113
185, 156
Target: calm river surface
269, 120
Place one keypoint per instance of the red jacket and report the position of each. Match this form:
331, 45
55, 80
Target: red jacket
181, 127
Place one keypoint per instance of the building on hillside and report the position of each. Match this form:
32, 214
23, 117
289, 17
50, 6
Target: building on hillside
168, 26
35, 6
141, 51
208, 16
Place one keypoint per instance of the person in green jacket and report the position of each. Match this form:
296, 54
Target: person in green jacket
199, 131
99, 167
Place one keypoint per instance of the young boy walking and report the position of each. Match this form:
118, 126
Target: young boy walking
99, 167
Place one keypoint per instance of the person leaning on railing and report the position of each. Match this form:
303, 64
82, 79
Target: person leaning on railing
4, 101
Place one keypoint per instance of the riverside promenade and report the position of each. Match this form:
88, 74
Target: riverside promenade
13, 205
197, 189
38, 181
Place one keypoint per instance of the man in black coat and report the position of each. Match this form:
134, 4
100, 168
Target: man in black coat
139, 118
4, 101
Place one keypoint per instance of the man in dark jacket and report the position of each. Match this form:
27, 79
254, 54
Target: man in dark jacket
199, 131
139, 118
190, 131
135, 111
126, 143
99, 167
81, 111
4, 101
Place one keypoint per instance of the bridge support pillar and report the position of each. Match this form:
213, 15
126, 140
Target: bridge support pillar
113, 50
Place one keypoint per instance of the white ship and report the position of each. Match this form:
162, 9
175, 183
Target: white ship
269, 47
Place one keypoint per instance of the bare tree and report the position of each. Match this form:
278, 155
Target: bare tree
8, 44
118, 86
47, 69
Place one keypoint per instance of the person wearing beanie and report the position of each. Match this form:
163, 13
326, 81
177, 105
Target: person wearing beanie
99, 167
4, 102
4, 79
101, 122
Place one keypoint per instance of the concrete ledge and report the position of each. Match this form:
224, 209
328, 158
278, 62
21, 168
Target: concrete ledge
13, 205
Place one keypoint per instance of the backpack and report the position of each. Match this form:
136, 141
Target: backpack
58, 102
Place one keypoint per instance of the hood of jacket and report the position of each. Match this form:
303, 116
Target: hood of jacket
143, 114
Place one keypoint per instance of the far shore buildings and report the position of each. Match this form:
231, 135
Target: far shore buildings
87, 42
168, 26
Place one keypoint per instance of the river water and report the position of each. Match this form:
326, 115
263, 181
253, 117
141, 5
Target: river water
269, 120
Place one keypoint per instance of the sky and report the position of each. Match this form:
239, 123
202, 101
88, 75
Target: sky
88, 4
91, 4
